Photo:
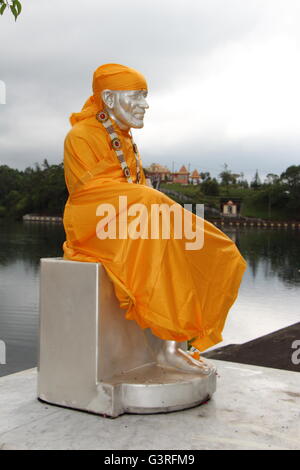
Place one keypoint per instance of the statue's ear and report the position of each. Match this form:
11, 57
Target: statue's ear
108, 98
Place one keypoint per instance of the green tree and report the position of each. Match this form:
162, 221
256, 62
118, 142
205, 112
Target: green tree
256, 182
13, 5
210, 187
227, 177
271, 178
205, 175
291, 182
40, 190
291, 176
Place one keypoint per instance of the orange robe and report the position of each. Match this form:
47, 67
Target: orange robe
180, 294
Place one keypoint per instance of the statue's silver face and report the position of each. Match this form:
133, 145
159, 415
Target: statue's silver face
127, 108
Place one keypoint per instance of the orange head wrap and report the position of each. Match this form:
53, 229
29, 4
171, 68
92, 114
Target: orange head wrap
111, 77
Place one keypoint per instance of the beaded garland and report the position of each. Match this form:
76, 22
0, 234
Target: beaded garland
116, 144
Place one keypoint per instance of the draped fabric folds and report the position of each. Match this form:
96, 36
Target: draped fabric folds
180, 294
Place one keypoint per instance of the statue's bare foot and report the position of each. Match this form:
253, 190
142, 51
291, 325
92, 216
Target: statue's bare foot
171, 355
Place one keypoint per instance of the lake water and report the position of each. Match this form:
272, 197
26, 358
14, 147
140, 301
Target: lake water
269, 297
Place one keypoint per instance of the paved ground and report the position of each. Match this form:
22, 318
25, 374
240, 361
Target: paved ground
253, 408
272, 350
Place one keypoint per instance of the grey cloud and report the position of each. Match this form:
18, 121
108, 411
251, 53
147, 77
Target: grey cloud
49, 55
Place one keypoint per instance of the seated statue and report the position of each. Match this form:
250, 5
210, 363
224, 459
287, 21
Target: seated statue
180, 294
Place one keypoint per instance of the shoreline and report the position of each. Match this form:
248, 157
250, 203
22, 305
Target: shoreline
218, 222
272, 350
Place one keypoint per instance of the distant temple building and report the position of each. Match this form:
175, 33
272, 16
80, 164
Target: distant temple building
195, 177
156, 170
160, 173
230, 207
181, 176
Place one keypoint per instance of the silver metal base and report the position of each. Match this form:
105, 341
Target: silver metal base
146, 390
156, 389
93, 359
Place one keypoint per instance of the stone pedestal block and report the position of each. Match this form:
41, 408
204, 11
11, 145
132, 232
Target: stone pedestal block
94, 360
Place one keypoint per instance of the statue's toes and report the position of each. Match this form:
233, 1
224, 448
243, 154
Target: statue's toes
196, 365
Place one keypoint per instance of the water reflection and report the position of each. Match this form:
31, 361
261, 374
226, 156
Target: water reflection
28, 242
21, 247
268, 300
277, 250
269, 297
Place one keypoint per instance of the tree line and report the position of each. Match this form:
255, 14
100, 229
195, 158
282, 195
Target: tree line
288, 182
42, 190
278, 196
39, 190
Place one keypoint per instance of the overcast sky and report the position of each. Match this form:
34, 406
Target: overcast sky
223, 77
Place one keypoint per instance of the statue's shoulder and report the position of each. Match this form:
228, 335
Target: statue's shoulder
86, 130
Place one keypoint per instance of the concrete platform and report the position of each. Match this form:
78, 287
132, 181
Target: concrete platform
253, 408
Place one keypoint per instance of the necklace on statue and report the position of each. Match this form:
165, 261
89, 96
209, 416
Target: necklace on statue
116, 144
